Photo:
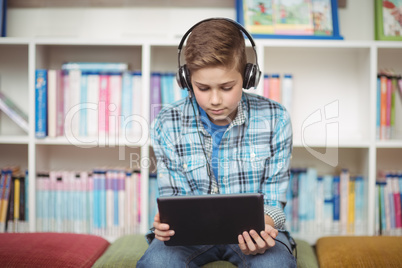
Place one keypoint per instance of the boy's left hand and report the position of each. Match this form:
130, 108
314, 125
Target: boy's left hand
263, 241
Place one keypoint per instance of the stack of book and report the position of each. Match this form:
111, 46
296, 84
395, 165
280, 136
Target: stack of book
388, 86
13, 200
86, 99
102, 202
336, 207
388, 215
164, 91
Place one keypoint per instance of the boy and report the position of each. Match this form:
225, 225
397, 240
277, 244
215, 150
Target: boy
221, 140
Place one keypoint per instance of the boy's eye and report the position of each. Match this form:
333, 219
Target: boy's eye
203, 88
227, 88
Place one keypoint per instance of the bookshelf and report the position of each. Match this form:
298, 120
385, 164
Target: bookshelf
337, 75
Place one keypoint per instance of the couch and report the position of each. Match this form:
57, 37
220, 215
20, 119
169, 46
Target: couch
80, 250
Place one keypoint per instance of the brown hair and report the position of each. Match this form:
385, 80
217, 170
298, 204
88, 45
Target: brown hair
216, 43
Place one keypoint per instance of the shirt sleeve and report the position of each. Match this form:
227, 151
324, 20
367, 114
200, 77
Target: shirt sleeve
278, 171
171, 180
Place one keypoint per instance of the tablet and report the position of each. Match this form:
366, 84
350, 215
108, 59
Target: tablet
211, 219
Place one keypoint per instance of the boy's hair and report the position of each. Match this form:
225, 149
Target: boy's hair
216, 43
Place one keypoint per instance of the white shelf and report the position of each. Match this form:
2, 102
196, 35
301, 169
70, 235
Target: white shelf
389, 144
324, 71
14, 139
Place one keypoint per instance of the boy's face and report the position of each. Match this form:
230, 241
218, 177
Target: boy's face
218, 91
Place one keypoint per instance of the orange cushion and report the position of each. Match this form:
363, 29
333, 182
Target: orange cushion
359, 251
50, 249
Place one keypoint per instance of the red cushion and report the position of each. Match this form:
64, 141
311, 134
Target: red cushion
50, 249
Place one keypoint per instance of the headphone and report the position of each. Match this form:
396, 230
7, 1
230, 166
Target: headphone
252, 72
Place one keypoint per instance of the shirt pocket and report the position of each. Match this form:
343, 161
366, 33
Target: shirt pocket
248, 167
195, 170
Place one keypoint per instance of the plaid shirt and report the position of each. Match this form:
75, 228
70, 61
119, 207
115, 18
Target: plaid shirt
254, 153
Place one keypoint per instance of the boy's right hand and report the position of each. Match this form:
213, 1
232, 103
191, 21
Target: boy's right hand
162, 231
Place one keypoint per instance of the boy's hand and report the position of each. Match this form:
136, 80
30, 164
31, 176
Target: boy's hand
162, 231
263, 241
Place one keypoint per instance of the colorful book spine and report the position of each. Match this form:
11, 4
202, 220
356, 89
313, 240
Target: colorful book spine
93, 104
137, 104
328, 203
41, 103
397, 200
378, 110
83, 114
351, 207
388, 109
5, 197
126, 103
275, 88
359, 205
155, 95
114, 107
344, 199
383, 121
103, 106
153, 195
287, 92
319, 207
336, 203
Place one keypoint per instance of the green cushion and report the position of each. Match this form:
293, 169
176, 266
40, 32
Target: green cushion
124, 252
305, 255
127, 250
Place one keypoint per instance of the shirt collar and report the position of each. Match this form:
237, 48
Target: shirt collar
189, 123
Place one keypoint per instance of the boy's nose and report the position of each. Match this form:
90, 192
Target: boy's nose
216, 98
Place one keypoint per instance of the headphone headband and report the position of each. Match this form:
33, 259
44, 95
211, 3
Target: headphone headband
238, 25
252, 72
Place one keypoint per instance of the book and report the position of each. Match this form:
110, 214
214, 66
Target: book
287, 92
9, 224
137, 102
14, 112
359, 205
378, 110
153, 195
266, 86
328, 203
41, 129
114, 107
344, 200
92, 115
383, 112
3, 18
55, 103
275, 88
350, 229
336, 204
155, 95
6, 175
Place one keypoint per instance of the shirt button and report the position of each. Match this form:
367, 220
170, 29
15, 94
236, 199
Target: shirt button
216, 189
252, 155
280, 165
185, 166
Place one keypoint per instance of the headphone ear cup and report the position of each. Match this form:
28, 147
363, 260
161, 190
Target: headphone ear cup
183, 78
247, 81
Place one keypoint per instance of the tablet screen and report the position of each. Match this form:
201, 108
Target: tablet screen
211, 219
